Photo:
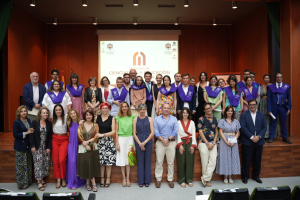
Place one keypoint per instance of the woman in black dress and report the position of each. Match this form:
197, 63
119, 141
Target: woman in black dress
155, 93
106, 145
200, 99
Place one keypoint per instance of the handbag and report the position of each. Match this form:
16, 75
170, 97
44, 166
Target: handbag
132, 156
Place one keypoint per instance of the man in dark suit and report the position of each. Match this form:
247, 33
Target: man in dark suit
279, 103
33, 94
148, 84
253, 130
186, 95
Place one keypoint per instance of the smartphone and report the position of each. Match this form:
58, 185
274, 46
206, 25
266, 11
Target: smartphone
199, 193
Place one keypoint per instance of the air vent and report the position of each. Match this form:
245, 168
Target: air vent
166, 5
114, 5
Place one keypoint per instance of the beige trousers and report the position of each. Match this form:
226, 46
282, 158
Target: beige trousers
208, 160
161, 151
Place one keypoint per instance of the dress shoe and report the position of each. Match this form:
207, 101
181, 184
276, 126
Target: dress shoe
257, 180
271, 140
286, 141
171, 184
157, 184
245, 180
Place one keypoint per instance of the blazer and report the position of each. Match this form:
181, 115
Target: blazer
28, 95
272, 100
248, 129
20, 144
35, 137
192, 103
89, 92
102, 90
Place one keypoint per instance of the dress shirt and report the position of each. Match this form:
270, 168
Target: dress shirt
114, 107
185, 89
50, 105
278, 85
36, 94
253, 115
165, 128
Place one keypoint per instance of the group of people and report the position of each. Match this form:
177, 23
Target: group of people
76, 126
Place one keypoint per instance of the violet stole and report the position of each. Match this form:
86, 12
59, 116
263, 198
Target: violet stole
233, 99
213, 93
56, 99
241, 85
188, 96
165, 92
116, 95
50, 82
75, 93
149, 96
135, 87
281, 90
248, 93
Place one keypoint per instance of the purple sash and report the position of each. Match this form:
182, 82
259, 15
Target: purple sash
233, 100
50, 82
281, 90
241, 85
149, 94
135, 87
188, 96
116, 95
56, 99
254, 84
248, 93
213, 93
165, 92
75, 93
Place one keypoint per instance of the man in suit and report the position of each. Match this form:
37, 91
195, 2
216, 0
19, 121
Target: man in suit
148, 84
132, 76
254, 127
279, 103
186, 95
177, 78
33, 94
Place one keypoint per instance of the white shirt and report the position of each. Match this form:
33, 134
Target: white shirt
50, 105
58, 128
253, 115
36, 94
185, 89
278, 85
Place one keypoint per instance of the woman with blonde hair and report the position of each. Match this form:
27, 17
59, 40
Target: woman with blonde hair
73, 121
41, 145
124, 140
21, 131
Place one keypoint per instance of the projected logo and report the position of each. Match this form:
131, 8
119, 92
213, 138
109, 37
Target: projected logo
168, 46
139, 58
110, 46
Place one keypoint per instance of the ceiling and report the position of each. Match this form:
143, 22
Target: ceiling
147, 12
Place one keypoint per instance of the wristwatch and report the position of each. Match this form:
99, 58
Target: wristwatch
89, 142
169, 139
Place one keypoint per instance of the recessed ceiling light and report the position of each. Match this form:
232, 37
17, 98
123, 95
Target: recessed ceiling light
32, 3
95, 21
186, 3
135, 2
175, 21
215, 22
234, 4
135, 21
54, 21
84, 3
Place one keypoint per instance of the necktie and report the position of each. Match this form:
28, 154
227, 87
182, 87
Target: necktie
177, 84
148, 87
279, 97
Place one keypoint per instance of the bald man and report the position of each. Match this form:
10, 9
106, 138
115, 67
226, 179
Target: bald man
33, 94
132, 74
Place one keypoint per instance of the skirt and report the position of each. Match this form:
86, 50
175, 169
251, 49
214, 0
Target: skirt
126, 143
107, 151
153, 113
88, 165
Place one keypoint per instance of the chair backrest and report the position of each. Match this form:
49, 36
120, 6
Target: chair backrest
276, 192
296, 193
229, 194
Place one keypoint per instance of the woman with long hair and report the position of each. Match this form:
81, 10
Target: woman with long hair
73, 122
137, 94
23, 157
249, 92
60, 143
41, 145
124, 140
228, 161
166, 95
76, 91
200, 97
106, 145
155, 91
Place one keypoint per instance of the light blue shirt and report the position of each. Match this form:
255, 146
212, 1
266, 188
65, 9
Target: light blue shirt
148, 85
114, 107
165, 128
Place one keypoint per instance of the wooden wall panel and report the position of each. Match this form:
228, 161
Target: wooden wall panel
186, 51
26, 54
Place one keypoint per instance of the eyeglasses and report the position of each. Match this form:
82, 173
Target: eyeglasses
252, 104
279, 77
208, 108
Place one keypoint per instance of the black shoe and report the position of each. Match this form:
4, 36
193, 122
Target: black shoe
245, 180
271, 140
257, 180
286, 140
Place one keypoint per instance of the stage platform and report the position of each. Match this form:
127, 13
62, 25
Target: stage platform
279, 160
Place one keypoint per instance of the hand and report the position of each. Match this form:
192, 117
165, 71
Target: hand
288, 112
81, 122
210, 146
48, 151
269, 113
213, 107
143, 148
37, 106
117, 102
118, 146
246, 102
223, 111
156, 112
165, 142
192, 149
179, 111
228, 143
193, 112
232, 144
31, 130
85, 143
141, 145
88, 148
181, 149
33, 149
